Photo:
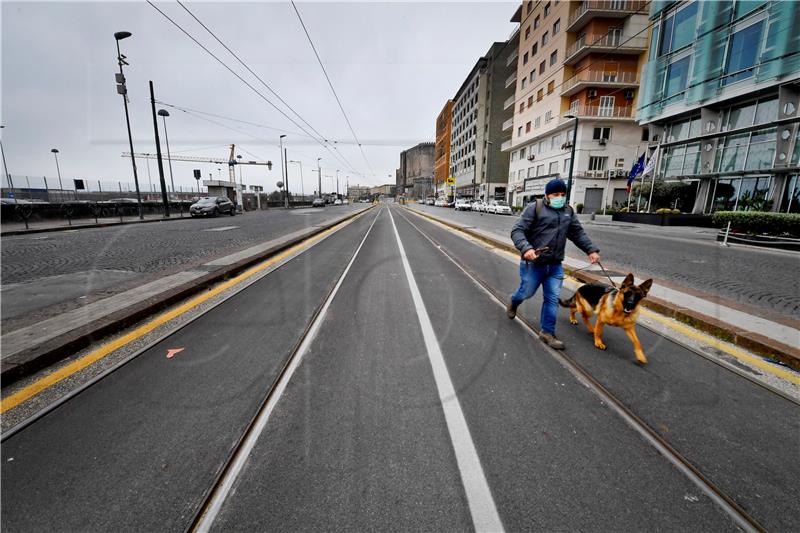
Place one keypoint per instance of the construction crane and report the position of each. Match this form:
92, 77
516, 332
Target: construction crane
231, 162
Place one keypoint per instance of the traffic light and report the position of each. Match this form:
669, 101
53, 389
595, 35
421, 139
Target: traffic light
121, 88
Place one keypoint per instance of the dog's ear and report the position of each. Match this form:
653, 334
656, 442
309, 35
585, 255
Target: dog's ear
628, 281
645, 286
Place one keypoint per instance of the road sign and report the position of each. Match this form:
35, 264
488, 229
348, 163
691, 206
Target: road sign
451, 180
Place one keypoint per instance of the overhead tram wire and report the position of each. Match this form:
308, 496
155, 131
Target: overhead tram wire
348, 164
257, 125
322, 143
330, 84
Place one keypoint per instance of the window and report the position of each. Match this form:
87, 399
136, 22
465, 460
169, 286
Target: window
539, 95
553, 167
521, 107
541, 147
528, 7
601, 133
548, 117
519, 131
536, 22
537, 122
743, 7
646, 134
530, 101
566, 164
540, 170
523, 83
522, 153
545, 38
533, 75
767, 111
534, 49
678, 29
554, 58
597, 163
542, 66
525, 58
606, 106
547, 9
531, 171
555, 142
573, 106
556, 27
527, 32
551, 85
677, 76
742, 53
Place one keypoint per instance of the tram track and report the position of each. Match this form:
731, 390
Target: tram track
724, 501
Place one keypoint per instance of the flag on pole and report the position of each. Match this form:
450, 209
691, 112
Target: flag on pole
636, 169
651, 163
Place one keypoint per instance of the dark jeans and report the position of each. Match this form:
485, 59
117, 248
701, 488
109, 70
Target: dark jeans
550, 277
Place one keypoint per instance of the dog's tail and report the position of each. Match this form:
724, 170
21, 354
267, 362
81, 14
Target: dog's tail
567, 303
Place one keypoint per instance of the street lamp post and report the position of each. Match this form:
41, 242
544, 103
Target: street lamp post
60, 187
337, 182
164, 197
123, 90
163, 113
284, 174
319, 178
488, 156
572, 154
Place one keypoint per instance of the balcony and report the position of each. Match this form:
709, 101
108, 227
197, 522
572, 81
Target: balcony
508, 124
589, 9
506, 146
598, 78
509, 102
626, 112
511, 79
512, 58
613, 43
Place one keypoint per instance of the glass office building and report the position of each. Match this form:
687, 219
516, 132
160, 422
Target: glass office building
721, 96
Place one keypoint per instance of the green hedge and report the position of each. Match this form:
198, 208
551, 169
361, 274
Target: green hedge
760, 222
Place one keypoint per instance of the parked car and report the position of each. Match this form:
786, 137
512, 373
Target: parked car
440, 202
337, 202
430, 201
212, 206
479, 206
462, 204
318, 202
501, 207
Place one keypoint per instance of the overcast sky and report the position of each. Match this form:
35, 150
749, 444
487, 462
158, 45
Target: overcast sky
393, 66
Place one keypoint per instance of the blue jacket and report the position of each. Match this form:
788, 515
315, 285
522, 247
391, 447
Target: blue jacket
551, 228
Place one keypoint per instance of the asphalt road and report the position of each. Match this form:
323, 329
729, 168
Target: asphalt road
686, 256
366, 435
46, 274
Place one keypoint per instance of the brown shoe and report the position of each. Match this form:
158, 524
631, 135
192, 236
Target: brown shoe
511, 311
551, 341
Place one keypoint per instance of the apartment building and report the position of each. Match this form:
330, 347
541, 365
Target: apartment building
720, 96
441, 171
415, 175
577, 62
477, 163
356, 192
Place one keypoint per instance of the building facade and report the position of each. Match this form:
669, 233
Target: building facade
357, 192
441, 171
720, 96
578, 62
477, 163
387, 190
415, 175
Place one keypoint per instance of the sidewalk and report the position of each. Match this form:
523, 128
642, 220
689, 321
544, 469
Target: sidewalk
42, 226
744, 326
29, 349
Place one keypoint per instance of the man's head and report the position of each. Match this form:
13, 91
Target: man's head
556, 193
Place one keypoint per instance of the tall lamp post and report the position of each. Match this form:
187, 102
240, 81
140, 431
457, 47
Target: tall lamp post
5, 167
488, 155
163, 113
319, 178
572, 153
60, 187
302, 190
123, 90
284, 175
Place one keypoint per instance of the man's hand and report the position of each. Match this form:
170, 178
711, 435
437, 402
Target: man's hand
530, 255
594, 257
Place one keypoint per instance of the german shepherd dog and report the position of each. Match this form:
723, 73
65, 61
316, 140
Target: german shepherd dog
615, 307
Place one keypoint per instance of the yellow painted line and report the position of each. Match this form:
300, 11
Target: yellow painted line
48, 381
730, 350
755, 361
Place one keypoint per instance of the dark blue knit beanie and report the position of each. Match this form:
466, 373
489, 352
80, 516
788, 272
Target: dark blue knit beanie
554, 186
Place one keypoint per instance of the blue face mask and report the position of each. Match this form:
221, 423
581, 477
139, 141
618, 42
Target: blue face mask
557, 202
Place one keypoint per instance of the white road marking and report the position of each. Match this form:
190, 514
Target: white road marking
239, 459
479, 495
223, 228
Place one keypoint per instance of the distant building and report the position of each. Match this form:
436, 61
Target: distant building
442, 151
387, 190
415, 175
357, 192
480, 113
720, 97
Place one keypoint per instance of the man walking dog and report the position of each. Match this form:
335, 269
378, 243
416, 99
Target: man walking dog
540, 235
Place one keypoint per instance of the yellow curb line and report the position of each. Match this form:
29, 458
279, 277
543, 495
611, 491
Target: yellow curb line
789, 376
92, 357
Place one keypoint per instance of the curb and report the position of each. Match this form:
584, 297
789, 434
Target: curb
749, 340
87, 226
35, 358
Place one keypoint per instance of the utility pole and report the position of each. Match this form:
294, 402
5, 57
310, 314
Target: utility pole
123, 90
286, 182
319, 178
158, 154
